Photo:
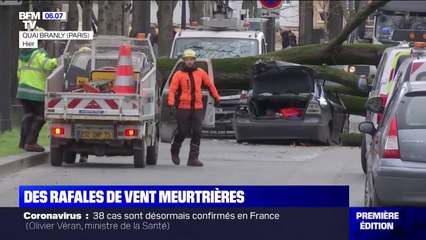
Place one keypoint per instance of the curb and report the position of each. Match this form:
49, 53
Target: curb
15, 163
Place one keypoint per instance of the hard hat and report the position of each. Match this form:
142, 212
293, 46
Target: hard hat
189, 53
39, 29
84, 49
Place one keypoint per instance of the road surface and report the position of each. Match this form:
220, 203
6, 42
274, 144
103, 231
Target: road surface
226, 163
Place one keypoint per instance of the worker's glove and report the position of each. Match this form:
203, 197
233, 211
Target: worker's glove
172, 109
216, 103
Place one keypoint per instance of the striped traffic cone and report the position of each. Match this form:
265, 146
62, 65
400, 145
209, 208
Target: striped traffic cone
124, 82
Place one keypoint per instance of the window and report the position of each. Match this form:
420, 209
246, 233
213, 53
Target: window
411, 112
377, 79
217, 47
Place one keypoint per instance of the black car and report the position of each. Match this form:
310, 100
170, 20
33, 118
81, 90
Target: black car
286, 102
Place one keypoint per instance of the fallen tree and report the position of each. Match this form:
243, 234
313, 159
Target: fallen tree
235, 73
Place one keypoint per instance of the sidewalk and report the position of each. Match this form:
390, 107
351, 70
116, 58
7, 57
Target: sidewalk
15, 163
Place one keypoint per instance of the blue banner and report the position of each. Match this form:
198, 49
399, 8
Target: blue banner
387, 223
182, 196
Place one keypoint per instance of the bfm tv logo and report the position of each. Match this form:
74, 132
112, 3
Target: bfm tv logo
29, 19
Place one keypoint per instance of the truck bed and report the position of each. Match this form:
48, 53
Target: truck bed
93, 106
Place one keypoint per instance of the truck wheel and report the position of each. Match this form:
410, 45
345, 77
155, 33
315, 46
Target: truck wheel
139, 153
152, 151
56, 156
69, 157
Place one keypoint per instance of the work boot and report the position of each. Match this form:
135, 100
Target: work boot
83, 158
33, 147
27, 121
175, 153
193, 160
31, 144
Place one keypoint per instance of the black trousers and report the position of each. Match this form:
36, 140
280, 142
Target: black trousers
186, 120
32, 121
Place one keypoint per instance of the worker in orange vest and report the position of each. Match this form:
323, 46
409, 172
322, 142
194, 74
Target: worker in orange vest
190, 106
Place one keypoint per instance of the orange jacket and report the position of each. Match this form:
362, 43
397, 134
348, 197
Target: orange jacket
191, 93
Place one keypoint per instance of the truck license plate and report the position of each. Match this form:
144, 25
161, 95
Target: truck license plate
95, 134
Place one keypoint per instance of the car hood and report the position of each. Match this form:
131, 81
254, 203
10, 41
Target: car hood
282, 78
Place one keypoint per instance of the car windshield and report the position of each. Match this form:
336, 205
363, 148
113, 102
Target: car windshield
217, 47
290, 81
386, 23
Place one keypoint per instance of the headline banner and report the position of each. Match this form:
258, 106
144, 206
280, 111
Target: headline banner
182, 196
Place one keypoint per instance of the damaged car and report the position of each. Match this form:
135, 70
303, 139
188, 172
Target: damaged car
286, 102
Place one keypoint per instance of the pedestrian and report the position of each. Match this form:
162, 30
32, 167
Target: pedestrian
189, 81
33, 68
292, 39
154, 39
285, 39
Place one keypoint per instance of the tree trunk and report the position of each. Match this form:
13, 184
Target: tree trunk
114, 18
251, 5
102, 21
165, 26
196, 10
141, 17
72, 16
86, 7
306, 22
335, 21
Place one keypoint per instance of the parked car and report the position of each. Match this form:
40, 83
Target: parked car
286, 102
391, 60
396, 166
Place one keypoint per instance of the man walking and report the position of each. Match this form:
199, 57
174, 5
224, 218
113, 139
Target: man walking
33, 68
190, 108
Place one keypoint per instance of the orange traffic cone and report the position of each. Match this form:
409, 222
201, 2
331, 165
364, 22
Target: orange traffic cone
124, 82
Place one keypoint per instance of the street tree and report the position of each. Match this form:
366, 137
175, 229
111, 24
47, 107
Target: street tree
165, 26
196, 10
87, 8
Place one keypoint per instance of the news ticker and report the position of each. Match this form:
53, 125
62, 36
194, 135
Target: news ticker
30, 37
205, 212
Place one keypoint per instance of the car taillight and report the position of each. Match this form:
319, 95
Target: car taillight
384, 100
58, 131
391, 141
313, 108
130, 132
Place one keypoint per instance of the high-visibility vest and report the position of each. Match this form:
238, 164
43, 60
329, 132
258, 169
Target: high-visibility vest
32, 76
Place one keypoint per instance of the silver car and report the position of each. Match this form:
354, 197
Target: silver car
396, 165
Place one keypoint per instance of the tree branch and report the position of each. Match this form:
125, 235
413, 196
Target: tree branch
356, 21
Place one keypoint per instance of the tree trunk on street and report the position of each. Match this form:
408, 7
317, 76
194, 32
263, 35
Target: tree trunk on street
165, 26
140, 17
86, 7
196, 10
114, 18
72, 16
335, 21
102, 21
306, 22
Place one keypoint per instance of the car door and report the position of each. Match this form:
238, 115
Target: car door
338, 111
168, 124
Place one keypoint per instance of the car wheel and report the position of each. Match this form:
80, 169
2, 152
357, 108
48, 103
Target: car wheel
152, 151
56, 156
364, 154
139, 151
69, 157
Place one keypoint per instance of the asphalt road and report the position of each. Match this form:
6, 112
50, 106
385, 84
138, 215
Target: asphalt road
226, 163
